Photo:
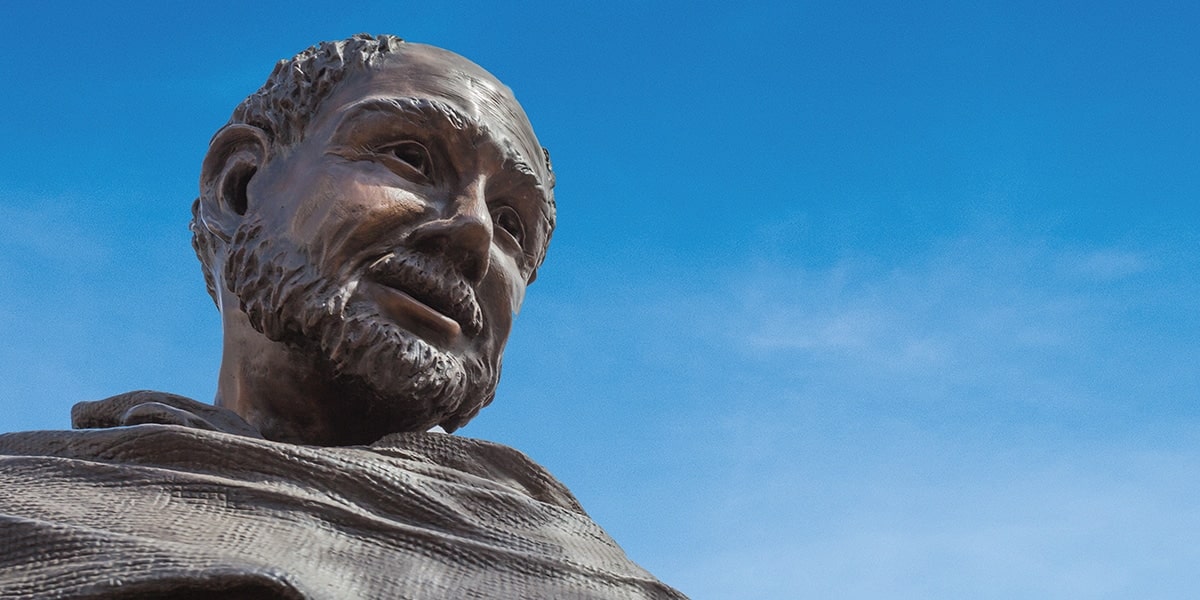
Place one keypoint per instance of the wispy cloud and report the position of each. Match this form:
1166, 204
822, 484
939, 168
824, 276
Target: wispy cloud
1104, 264
985, 310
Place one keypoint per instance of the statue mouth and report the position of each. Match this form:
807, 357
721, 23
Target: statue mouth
425, 296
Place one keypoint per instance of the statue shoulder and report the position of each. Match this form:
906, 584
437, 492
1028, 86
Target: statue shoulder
148, 406
487, 461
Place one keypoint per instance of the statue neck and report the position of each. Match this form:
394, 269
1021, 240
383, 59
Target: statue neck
276, 388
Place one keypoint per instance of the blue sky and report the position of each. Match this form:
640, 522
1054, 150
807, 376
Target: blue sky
847, 300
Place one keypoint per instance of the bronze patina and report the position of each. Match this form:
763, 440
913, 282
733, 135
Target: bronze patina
367, 223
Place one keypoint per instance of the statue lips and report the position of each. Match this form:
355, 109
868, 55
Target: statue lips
426, 296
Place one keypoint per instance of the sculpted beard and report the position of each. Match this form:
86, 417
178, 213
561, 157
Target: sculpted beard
398, 378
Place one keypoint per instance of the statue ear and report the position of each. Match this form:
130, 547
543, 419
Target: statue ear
234, 156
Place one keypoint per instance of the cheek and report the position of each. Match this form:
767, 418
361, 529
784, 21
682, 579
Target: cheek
376, 210
503, 291
349, 215
514, 283
314, 206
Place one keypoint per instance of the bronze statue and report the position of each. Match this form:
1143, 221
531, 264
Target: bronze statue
367, 223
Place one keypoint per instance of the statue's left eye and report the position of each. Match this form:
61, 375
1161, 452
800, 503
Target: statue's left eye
409, 157
508, 221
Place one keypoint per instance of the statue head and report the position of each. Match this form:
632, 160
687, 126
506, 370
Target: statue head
367, 223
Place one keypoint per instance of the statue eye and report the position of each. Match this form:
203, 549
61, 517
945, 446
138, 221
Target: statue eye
508, 221
408, 158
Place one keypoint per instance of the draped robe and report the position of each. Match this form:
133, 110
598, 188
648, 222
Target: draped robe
158, 510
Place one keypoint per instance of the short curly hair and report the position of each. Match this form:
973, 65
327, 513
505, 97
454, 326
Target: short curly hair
283, 106
292, 94
296, 88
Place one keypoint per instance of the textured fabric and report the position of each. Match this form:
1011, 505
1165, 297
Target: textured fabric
169, 511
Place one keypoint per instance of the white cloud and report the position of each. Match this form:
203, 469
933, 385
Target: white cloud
1105, 264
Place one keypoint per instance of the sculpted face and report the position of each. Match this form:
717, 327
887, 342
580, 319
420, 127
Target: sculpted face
392, 246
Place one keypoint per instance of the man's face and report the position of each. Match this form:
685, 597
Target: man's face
394, 243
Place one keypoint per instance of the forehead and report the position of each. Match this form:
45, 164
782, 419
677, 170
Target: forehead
416, 71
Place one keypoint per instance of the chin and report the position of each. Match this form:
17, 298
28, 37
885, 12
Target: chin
399, 378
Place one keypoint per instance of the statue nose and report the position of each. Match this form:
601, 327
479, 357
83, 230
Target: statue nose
463, 234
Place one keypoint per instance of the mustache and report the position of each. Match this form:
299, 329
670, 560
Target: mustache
432, 281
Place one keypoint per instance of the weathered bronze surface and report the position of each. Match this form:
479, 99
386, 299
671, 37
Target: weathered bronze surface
367, 222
